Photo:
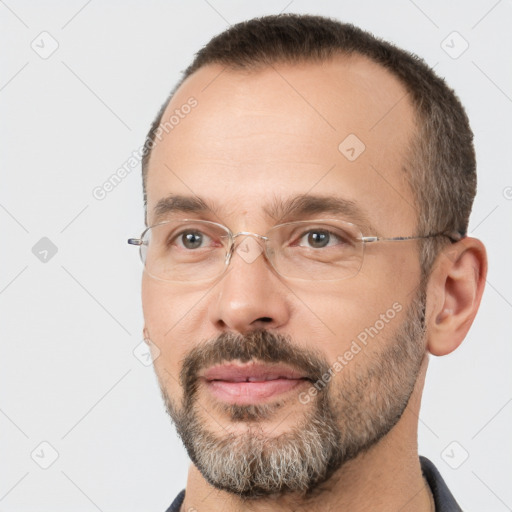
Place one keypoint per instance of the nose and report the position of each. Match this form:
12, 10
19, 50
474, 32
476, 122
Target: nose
250, 293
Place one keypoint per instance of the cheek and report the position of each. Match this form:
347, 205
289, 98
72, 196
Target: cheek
391, 270
156, 310
170, 315
167, 307
358, 331
364, 309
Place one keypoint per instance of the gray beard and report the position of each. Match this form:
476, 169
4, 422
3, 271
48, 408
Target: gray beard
339, 424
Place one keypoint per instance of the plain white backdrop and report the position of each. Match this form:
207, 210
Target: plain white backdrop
80, 83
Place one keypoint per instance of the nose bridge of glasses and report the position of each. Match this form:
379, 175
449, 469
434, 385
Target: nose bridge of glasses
248, 233
257, 247
249, 246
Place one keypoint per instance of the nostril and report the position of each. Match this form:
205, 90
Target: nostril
265, 319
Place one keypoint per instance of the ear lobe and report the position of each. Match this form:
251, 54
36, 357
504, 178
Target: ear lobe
454, 293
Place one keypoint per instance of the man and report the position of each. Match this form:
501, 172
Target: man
308, 189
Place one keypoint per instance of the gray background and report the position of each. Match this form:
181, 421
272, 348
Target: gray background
72, 320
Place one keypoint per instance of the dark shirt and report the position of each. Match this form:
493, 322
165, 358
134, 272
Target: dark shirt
443, 498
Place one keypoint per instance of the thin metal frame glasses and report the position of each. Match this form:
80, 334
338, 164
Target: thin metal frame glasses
319, 249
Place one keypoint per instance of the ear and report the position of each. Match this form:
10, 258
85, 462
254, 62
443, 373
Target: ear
454, 291
145, 333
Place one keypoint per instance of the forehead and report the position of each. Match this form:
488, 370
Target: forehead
339, 128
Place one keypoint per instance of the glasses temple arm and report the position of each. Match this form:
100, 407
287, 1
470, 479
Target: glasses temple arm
454, 236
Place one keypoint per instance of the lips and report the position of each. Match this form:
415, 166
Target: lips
252, 382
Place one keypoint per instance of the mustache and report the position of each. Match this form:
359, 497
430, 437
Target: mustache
258, 345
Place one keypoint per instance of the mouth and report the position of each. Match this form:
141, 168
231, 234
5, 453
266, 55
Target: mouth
251, 383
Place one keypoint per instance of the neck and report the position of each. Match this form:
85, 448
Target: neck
387, 478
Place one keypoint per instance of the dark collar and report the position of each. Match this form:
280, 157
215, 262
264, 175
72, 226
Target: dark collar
443, 498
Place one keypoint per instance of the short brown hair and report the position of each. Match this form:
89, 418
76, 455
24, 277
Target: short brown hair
441, 163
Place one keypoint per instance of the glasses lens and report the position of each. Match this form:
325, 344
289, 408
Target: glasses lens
185, 250
316, 250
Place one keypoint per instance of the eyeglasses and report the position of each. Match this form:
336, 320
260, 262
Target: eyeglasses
197, 250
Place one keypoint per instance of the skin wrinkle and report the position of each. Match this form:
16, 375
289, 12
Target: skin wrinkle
341, 426
354, 445
282, 425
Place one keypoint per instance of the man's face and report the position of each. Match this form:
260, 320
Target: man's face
254, 140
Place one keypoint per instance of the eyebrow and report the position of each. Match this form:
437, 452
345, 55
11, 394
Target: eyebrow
174, 203
311, 204
281, 210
